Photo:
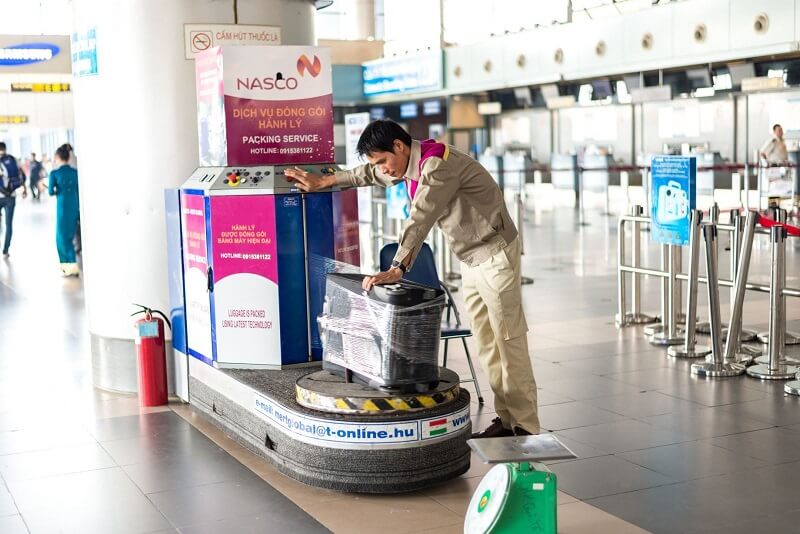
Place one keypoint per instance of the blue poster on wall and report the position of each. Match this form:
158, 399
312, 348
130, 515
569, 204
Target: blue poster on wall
674, 191
84, 53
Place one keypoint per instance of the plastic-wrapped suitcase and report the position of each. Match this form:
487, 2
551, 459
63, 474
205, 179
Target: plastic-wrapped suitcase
387, 338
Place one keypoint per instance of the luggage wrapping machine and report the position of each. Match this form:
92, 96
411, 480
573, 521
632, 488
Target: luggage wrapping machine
254, 257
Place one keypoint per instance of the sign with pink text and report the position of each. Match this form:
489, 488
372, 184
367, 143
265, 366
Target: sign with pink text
265, 105
246, 298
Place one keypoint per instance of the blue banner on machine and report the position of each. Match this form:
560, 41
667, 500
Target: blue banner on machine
354, 435
673, 196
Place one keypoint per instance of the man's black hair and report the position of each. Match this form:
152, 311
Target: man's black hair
775, 127
2, 145
379, 136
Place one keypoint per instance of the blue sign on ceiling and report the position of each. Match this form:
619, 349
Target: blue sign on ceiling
27, 53
405, 74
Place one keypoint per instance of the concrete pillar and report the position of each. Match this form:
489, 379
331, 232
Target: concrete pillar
136, 134
365, 19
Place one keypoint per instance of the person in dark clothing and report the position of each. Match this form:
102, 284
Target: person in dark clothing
35, 175
10, 177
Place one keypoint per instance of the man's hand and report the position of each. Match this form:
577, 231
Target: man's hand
308, 181
386, 277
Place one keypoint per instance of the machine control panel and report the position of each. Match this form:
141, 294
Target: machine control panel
262, 179
203, 178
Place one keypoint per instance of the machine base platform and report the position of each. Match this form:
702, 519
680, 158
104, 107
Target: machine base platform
329, 392
379, 453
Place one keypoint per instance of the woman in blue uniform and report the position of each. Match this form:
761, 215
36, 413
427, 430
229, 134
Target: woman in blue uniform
64, 186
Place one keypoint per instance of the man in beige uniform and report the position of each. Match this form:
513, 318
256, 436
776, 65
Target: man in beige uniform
455, 191
774, 149
774, 152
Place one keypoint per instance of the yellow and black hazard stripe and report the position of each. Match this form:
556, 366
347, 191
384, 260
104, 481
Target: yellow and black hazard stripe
372, 405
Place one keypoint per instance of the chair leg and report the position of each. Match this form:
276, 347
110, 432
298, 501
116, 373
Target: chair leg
472, 370
444, 360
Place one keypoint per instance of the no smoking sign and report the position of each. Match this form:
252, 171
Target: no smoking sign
200, 37
200, 41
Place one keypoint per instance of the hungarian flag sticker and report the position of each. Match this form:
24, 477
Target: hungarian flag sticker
433, 428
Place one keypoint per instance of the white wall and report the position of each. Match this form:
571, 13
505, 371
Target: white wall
44, 110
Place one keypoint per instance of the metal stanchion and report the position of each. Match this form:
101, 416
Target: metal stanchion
438, 248
746, 185
635, 316
441, 251
705, 327
757, 159
520, 208
777, 368
670, 334
581, 217
657, 328
677, 294
622, 318
715, 365
689, 349
450, 274
790, 338
380, 230
734, 351
738, 222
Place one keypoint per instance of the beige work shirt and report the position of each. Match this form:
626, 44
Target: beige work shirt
775, 150
454, 191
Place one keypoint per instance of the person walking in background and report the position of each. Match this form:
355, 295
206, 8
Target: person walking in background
64, 186
11, 178
73, 162
35, 172
774, 148
779, 182
73, 159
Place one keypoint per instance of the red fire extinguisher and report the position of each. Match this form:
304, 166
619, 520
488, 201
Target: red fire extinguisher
151, 357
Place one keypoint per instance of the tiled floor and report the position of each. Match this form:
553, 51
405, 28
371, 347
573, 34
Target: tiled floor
658, 449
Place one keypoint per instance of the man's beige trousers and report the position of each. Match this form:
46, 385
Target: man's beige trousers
493, 298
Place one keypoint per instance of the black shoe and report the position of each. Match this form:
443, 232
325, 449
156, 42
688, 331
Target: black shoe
495, 430
519, 431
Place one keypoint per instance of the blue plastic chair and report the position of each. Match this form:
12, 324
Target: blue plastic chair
424, 272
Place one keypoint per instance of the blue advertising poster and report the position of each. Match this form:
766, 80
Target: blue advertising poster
84, 53
398, 204
674, 192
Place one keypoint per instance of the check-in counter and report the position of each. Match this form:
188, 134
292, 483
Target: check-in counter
711, 179
517, 170
564, 171
596, 175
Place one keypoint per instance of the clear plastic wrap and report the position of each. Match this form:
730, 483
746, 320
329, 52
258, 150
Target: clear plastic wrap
388, 337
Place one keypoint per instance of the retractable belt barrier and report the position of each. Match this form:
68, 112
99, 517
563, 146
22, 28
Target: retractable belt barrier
730, 358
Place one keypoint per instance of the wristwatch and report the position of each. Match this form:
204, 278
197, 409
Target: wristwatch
399, 266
